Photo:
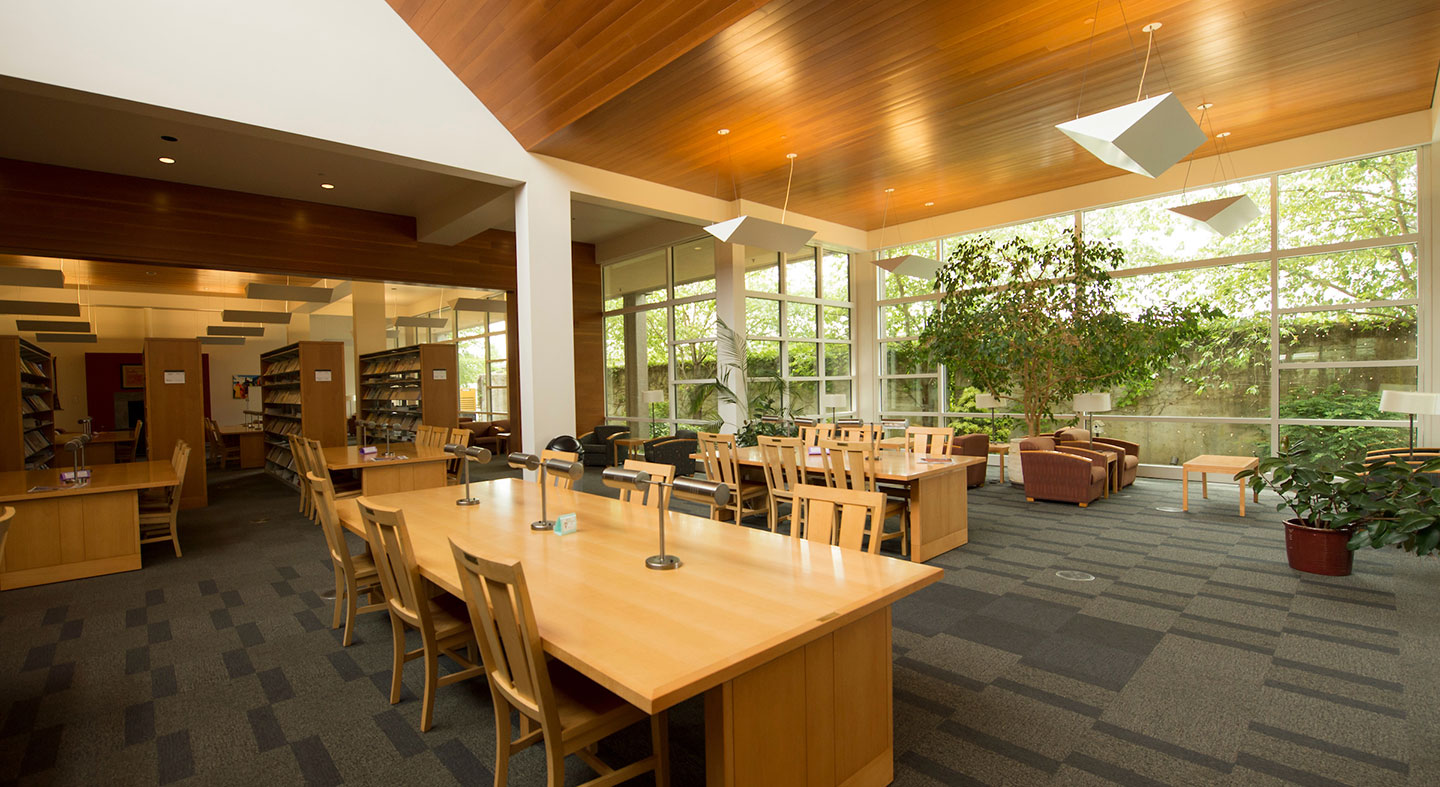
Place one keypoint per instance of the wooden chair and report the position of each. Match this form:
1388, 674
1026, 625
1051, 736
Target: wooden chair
812, 434
573, 713
299, 453
455, 437
722, 465
224, 452
929, 440
354, 574
663, 472
852, 466
426, 435
784, 459
563, 482
443, 623
315, 458
6, 514
135, 434
856, 433
158, 518
836, 516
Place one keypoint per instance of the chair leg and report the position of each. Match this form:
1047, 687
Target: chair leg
554, 764
175, 535
660, 741
502, 739
351, 602
397, 665
432, 676
339, 595
774, 511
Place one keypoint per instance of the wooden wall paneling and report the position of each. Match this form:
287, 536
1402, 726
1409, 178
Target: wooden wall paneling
175, 411
322, 402
78, 214
440, 399
512, 368
589, 339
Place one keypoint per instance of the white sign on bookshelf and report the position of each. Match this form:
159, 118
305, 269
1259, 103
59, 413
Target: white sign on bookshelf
438, 374
173, 377
322, 375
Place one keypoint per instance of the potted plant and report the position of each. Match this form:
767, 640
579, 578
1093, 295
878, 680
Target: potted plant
760, 403
1042, 320
1340, 507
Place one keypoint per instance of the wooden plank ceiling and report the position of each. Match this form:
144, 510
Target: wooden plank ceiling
950, 102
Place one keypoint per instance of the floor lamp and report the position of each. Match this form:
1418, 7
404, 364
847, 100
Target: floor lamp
1089, 404
650, 399
989, 402
1412, 403
835, 402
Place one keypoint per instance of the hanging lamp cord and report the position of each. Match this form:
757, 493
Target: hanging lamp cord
786, 209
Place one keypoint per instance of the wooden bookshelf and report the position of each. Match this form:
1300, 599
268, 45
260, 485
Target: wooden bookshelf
410, 386
27, 405
302, 391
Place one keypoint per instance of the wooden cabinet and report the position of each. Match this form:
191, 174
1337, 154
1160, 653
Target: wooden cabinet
27, 405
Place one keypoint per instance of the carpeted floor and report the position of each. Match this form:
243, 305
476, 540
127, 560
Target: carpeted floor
1194, 656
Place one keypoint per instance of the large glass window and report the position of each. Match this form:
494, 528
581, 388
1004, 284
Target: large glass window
797, 321
1320, 310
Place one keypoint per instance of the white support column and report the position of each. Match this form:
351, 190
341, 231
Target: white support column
1429, 213
730, 308
546, 312
866, 349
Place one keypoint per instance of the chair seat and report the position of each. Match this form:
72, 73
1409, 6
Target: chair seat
1097, 474
584, 705
155, 517
154, 507
1131, 461
364, 565
449, 615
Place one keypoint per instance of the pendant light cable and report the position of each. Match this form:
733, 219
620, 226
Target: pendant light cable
1149, 45
1089, 48
788, 181
884, 217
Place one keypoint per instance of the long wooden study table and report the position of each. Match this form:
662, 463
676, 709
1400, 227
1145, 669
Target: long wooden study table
62, 533
100, 451
939, 497
410, 467
789, 641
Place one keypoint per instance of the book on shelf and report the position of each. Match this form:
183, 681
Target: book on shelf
33, 404
35, 442
31, 367
284, 426
287, 364
282, 396
395, 365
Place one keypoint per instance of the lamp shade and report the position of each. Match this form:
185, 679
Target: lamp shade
1146, 137
652, 397
1410, 402
1223, 216
986, 401
1091, 402
837, 401
750, 231
911, 265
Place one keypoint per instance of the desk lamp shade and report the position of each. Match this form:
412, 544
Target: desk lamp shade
987, 401
1146, 137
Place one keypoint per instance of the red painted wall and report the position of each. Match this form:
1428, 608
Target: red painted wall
102, 382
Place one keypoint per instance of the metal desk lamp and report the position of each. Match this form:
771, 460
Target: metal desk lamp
563, 467
688, 488
466, 453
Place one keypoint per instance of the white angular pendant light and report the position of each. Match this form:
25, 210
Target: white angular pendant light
748, 230
913, 265
1146, 137
1223, 216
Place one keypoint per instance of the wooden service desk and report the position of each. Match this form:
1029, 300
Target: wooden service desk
411, 468
250, 441
788, 640
939, 508
100, 451
61, 534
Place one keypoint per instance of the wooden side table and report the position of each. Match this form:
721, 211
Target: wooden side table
1213, 463
630, 443
1003, 449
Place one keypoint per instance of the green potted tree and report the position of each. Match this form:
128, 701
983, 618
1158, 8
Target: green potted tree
760, 401
1042, 320
1340, 507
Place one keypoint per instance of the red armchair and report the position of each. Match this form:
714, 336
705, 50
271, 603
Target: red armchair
972, 445
1070, 475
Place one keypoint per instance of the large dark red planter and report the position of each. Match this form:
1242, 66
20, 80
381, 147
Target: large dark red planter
1316, 550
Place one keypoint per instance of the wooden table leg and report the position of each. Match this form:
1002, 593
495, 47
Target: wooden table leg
1204, 485
821, 714
939, 516
1184, 489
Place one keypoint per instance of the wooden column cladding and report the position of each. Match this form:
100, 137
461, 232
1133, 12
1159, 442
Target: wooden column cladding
440, 385
589, 340
175, 409
27, 404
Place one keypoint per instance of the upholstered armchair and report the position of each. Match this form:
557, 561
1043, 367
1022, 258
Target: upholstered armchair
675, 450
1129, 452
1052, 472
599, 445
972, 445
494, 435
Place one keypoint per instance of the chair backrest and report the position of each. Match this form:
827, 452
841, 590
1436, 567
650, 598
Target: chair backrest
459, 436
322, 491
784, 460
722, 463
395, 562
837, 516
855, 433
1037, 444
929, 440
315, 457
300, 452
812, 434
563, 482
135, 434
6, 514
510, 645
656, 470
849, 465
179, 464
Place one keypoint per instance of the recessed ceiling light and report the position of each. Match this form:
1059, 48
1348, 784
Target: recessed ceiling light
327, 185
722, 132
698, 248
149, 273
1205, 106
1222, 135
166, 160
168, 138
929, 204
889, 191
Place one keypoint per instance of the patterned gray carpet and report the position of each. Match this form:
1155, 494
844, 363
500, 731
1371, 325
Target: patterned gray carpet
1195, 656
